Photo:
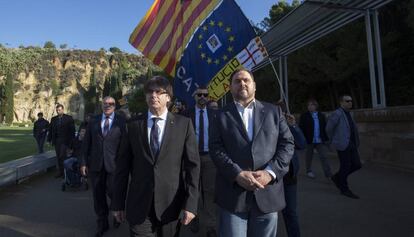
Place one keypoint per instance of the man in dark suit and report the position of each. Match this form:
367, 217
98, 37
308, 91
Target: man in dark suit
313, 125
251, 146
39, 131
61, 134
343, 133
99, 149
159, 153
205, 222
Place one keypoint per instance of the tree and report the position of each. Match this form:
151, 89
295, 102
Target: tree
91, 95
49, 45
63, 46
136, 102
9, 99
114, 50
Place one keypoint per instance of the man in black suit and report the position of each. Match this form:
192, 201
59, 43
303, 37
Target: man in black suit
39, 131
159, 153
251, 146
99, 149
313, 125
201, 116
61, 134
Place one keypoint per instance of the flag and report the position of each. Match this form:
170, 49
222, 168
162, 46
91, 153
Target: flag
166, 28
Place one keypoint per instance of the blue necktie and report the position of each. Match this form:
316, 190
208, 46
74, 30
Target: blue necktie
154, 135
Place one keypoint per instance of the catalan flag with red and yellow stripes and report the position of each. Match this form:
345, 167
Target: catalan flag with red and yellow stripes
166, 29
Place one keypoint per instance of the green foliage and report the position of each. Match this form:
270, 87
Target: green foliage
63, 46
49, 45
91, 97
136, 102
114, 50
9, 99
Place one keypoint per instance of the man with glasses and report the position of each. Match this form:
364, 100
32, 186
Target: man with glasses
159, 161
343, 133
99, 149
205, 223
313, 123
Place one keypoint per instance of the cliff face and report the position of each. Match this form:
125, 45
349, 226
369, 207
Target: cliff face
66, 76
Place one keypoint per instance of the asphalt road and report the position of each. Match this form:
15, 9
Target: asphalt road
38, 208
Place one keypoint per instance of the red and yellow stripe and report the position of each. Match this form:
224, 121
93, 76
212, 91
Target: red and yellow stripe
167, 27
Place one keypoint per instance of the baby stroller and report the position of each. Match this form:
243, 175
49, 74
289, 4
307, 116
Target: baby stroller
72, 175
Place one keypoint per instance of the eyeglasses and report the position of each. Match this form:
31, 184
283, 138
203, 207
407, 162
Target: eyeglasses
109, 104
157, 91
348, 101
202, 94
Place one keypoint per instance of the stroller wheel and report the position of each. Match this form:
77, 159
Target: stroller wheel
63, 187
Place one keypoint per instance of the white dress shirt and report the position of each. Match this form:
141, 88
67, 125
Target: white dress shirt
197, 125
161, 125
246, 114
111, 120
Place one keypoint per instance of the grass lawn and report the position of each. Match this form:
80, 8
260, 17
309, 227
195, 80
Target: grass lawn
17, 142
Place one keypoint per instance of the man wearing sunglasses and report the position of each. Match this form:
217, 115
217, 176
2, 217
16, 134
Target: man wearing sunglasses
205, 222
159, 166
343, 133
99, 149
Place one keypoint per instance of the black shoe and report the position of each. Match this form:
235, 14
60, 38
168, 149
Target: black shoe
116, 224
349, 194
335, 180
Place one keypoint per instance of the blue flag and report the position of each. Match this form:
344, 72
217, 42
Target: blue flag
218, 40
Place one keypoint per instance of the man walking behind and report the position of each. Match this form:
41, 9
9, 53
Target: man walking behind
343, 133
40, 131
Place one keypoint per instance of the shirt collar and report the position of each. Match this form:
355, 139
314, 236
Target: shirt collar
111, 117
251, 105
163, 116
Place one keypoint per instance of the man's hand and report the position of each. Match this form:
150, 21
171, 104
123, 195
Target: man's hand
119, 216
186, 217
263, 177
248, 181
84, 170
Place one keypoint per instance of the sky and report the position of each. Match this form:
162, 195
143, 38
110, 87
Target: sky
85, 24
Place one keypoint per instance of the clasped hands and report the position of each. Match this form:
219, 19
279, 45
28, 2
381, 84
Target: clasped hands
253, 180
185, 216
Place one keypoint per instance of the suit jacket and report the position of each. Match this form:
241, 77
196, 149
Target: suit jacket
306, 123
338, 130
66, 129
300, 144
169, 181
232, 152
98, 151
40, 127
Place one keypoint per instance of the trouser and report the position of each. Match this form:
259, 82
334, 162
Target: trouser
102, 186
60, 149
322, 151
207, 210
40, 140
152, 227
349, 162
290, 213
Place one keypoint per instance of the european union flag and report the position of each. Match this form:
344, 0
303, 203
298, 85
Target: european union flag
223, 35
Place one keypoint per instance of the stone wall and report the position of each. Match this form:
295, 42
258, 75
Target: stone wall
387, 136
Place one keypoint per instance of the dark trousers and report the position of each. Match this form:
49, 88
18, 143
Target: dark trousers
60, 148
152, 227
349, 162
102, 183
40, 140
290, 213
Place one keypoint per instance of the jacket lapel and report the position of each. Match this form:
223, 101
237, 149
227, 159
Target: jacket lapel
234, 115
168, 132
258, 118
144, 138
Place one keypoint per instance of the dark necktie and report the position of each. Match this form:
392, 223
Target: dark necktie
154, 143
106, 126
201, 131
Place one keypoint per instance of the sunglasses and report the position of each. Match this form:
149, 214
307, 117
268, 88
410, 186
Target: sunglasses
202, 94
109, 104
348, 101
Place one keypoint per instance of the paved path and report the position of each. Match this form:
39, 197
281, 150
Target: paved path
37, 207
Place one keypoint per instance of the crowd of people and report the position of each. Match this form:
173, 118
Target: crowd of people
202, 171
